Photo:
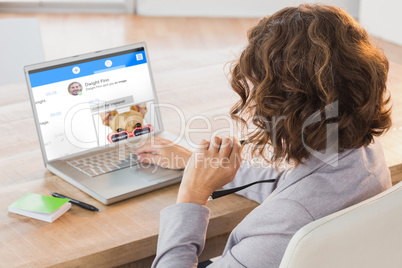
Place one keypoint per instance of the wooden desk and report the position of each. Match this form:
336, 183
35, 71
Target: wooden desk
188, 57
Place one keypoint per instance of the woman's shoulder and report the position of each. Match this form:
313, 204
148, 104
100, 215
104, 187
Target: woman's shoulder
357, 175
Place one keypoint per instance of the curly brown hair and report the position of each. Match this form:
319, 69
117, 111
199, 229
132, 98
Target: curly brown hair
297, 62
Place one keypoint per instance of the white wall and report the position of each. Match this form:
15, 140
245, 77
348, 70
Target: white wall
20, 45
230, 8
67, 6
382, 19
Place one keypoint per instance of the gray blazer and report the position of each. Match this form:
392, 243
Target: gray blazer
301, 195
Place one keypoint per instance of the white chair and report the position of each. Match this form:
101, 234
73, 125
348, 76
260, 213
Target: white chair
366, 235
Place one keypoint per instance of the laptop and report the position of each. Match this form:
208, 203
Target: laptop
91, 111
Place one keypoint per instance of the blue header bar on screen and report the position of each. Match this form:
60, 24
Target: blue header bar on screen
86, 68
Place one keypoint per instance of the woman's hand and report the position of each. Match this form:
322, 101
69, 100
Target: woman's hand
164, 153
212, 166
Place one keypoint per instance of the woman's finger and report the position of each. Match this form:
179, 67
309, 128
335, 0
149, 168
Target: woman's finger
154, 145
226, 147
146, 148
159, 140
235, 156
215, 145
204, 145
149, 158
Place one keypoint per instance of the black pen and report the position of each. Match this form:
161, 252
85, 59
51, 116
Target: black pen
219, 193
76, 202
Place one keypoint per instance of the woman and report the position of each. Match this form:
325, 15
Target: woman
315, 87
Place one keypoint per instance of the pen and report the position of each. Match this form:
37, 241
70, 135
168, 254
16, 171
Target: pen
76, 202
220, 193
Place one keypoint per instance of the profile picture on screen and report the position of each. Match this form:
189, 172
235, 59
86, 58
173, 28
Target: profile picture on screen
75, 88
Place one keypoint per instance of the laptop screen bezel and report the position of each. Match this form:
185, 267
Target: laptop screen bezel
83, 58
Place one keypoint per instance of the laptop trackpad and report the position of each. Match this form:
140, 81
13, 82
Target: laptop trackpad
130, 179
151, 172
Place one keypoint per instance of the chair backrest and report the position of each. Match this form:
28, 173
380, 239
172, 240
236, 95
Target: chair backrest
368, 234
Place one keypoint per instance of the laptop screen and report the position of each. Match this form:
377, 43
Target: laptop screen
93, 102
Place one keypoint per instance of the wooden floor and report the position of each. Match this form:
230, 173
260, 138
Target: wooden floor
188, 57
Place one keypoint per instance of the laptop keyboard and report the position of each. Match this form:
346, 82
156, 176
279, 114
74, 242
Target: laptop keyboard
104, 162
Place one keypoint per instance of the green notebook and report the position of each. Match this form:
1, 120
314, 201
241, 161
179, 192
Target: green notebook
41, 207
